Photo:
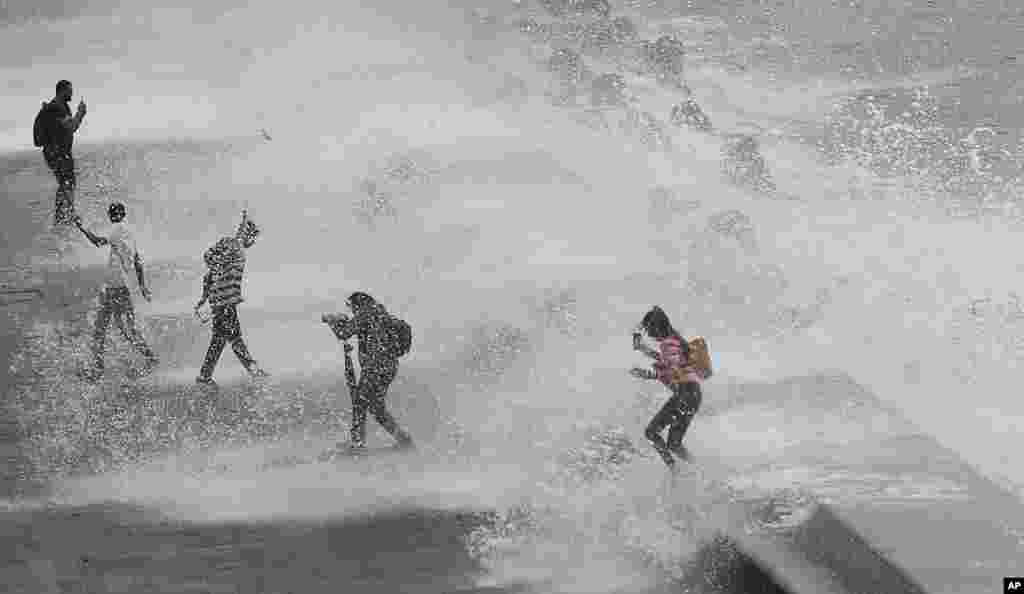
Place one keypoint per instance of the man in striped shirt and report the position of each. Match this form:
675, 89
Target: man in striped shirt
222, 287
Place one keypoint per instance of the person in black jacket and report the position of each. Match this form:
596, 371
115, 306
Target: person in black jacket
378, 365
55, 133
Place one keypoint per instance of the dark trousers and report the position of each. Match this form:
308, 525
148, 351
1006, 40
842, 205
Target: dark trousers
116, 303
226, 328
676, 415
62, 164
368, 397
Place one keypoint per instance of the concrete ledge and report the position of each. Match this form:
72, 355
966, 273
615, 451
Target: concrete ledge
822, 554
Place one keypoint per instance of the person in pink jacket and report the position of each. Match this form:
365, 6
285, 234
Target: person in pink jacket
672, 368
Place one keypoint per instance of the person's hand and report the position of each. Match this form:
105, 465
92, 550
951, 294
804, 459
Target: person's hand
81, 107
638, 372
348, 347
146, 294
637, 341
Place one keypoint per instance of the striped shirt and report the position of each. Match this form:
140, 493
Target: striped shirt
223, 284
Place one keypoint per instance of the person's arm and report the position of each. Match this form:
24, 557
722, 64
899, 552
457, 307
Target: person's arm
140, 275
342, 326
72, 123
94, 239
640, 372
207, 283
638, 344
207, 287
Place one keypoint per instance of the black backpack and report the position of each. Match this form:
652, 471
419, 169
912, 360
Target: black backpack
399, 336
40, 129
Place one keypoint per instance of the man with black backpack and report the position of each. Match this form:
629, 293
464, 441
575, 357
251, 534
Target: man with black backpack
54, 132
383, 339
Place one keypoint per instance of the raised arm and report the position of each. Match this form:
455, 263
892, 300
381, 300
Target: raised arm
638, 345
72, 123
94, 239
643, 348
343, 326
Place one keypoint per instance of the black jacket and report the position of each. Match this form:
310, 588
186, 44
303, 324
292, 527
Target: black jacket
58, 138
368, 326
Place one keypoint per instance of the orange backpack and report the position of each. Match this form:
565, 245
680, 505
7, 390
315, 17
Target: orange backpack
700, 357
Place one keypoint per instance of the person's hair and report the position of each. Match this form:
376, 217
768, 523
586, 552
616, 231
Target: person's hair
657, 325
62, 85
116, 211
359, 300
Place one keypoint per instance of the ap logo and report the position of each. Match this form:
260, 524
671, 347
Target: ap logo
1013, 584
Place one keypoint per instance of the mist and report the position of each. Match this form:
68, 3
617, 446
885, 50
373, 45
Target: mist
520, 222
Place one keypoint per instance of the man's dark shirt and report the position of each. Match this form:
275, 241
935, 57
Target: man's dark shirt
58, 136
367, 326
